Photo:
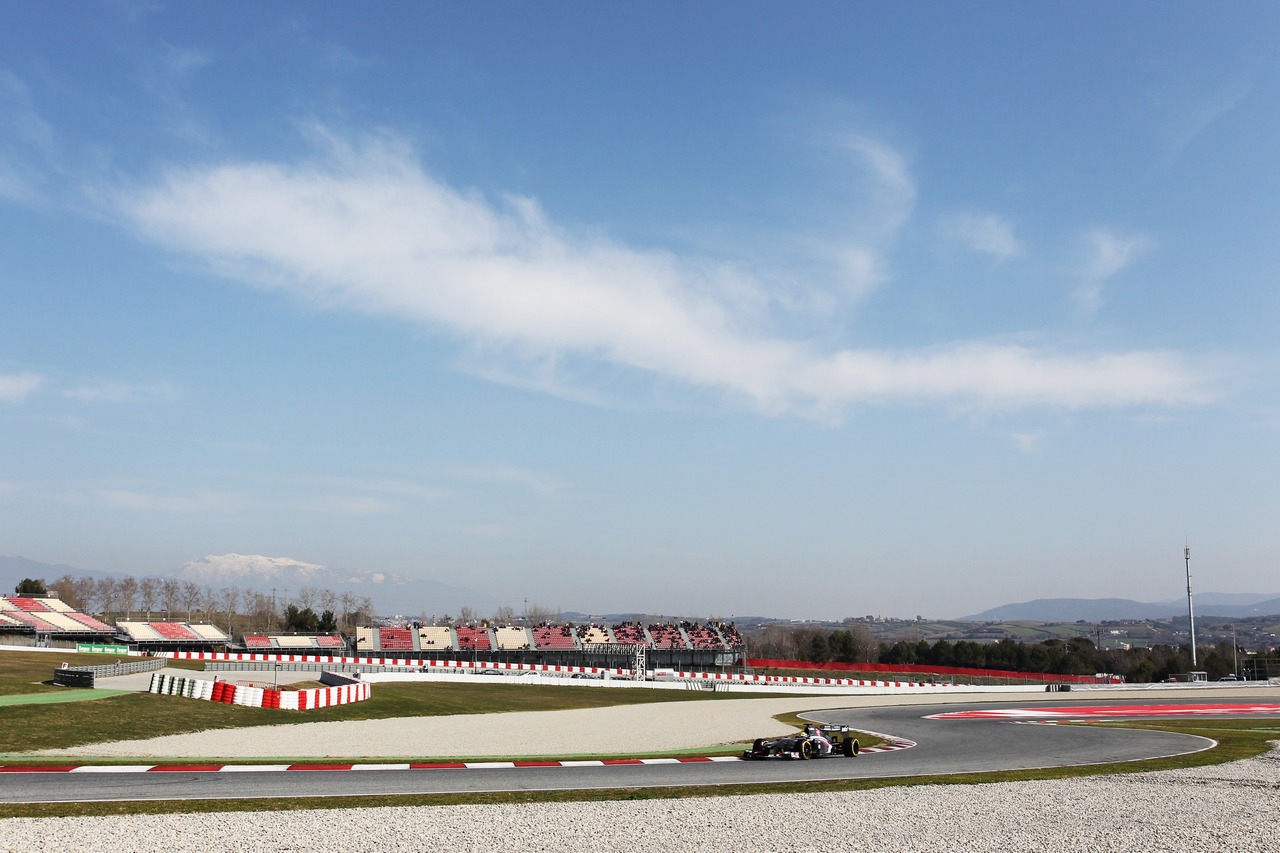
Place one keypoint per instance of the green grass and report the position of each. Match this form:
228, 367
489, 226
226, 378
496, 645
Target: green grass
32, 672
1237, 740
146, 715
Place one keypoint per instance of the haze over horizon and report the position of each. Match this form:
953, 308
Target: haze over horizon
845, 308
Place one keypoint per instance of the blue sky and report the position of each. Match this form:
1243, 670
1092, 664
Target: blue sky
713, 309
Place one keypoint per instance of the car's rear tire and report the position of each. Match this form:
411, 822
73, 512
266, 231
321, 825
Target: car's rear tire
806, 749
849, 747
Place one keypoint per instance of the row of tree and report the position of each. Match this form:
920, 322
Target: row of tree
1077, 656
231, 608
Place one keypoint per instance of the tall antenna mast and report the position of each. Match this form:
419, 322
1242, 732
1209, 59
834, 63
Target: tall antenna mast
1191, 613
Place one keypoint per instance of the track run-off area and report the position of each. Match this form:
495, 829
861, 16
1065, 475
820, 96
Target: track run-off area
964, 735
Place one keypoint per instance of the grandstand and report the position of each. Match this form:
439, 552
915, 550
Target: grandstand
328, 643
593, 635
393, 639
167, 635
631, 634
511, 638
44, 617
471, 638
704, 636
667, 636
437, 638
554, 637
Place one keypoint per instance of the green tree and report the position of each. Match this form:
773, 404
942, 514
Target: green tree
31, 586
818, 650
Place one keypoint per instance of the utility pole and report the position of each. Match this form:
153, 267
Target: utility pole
1191, 613
1235, 652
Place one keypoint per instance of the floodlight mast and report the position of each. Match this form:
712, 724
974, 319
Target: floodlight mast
1191, 613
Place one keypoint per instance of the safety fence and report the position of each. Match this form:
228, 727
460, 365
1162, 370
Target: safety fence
85, 676
384, 664
255, 660
260, 697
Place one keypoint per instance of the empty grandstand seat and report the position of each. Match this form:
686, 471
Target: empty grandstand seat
33, 621
140, 631
173, 631
91, 623
331, 641
30, 605
292, 642
257, 641
511, 637
437, 637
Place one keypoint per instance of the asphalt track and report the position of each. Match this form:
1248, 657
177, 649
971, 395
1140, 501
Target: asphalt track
943, 747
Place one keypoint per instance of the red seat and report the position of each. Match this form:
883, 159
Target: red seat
395, 639
174, 631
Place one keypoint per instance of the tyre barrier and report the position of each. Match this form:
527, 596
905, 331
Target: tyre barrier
258, 697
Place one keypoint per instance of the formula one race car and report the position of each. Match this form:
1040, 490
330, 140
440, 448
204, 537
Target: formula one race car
813, 742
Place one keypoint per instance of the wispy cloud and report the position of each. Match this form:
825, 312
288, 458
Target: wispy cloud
1188, 112
197, 502
985, 233
27, 142
1105, 255
533, 480
122, 392
15, 387
387, 487
364, 228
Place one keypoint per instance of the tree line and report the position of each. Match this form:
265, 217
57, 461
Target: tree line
1076, 656
233, 609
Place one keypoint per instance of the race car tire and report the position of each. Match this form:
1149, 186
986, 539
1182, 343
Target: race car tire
805, 750
758, 746
849, 747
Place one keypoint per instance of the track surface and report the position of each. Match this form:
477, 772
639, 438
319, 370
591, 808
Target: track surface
943, 747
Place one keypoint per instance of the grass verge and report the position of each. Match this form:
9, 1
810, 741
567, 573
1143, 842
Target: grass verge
1236, 739
144, 715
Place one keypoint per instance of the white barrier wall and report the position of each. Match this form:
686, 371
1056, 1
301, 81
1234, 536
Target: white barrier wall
759, 681
258, 697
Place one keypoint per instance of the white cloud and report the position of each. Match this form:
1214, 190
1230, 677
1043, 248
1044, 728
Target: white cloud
1105, 255
986, 233
365, 229
1028, 442
15, 387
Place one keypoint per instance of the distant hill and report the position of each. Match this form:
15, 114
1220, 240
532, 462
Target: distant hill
1119, 609
14, 569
